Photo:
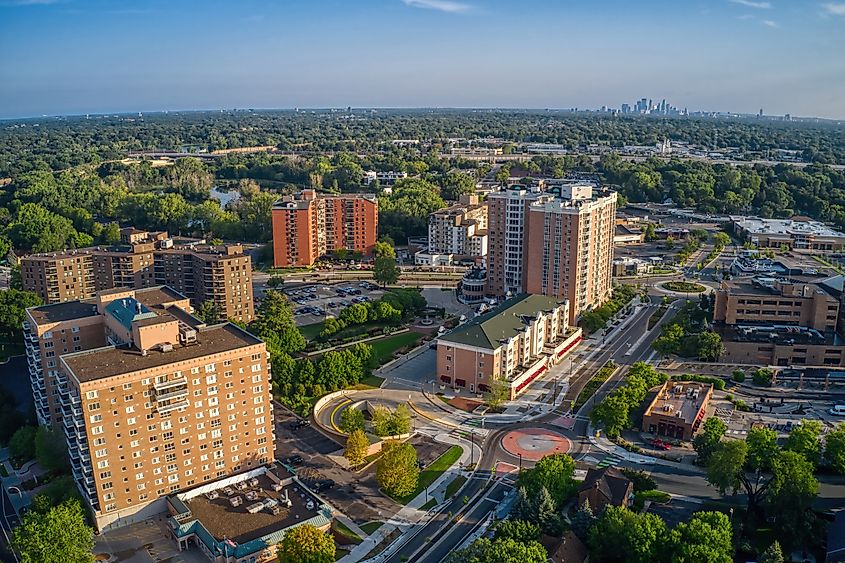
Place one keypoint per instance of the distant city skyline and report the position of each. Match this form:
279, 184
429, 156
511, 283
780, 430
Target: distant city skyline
98, 56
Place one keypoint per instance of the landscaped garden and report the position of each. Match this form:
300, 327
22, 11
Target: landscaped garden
684, 287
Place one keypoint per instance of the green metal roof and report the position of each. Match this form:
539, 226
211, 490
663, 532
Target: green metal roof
502, 323
127, 310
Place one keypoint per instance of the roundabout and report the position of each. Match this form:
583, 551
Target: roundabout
533, 444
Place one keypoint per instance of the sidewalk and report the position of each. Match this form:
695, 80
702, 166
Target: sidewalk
411, 514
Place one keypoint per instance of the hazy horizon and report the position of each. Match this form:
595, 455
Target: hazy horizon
77, 57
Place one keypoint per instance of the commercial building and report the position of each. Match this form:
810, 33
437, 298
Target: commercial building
151, 399
203, 272
557, 243
458, 232
245, 516
799, 233
779, 322
678, 409
383, 178
515, 343
309, 226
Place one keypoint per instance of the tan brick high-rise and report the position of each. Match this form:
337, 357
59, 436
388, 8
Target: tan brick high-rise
151, 399
203, 272
557, 243
312, 225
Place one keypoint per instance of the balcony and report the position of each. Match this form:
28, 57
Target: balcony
171, 383
172, 406
171, 395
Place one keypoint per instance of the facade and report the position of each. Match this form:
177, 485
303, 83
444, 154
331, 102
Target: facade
557, 243
203, 272
678, 409
800, 233
471, 288
459, 231
777, 322
151, 400
514, 344
311, 225
242, 518
383, 178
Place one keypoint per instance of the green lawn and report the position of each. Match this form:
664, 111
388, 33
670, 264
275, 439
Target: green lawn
453, 487
429, 505
592, 386
383, 349
433, 471
371, 527
372, 381
343, 530
312, 331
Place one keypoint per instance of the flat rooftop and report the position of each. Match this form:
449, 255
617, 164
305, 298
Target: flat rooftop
680, 399
222, 520
785, 227
153, 297
109, 361
783, 335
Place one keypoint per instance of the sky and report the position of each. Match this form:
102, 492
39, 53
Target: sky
104, 56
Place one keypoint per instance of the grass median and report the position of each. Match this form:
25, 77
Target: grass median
432, 472
593, 385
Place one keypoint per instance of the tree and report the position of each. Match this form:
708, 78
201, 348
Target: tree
583, 520
762, 448
13, 305
357, 445
397, 472
518, 530
669, 340
791, 494
209, 312
773, 554
726, 470
381, 421
523, 508
22, 443
710, 346
709, 438
499, 393
834, 450
384, 249
805, 440
274, 319
504, 550
386, 271
762, 376
58, 535
457, 184
641, 538
547, 516
706, 538
306, 544
351, 420
400, 421
354, 314
40, 230
554, 473
612, 413
51, 449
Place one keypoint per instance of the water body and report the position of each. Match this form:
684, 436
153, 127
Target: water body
225, 196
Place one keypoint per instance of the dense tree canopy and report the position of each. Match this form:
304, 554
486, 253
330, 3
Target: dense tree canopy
58, 535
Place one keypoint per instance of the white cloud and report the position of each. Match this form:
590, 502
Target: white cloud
834, 9
439, 5
770, 23
753, 4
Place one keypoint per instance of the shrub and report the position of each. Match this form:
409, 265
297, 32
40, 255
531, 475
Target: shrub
738, 376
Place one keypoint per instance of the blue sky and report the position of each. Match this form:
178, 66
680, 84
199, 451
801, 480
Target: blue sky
88, 56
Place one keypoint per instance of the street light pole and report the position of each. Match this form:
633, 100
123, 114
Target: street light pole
471, 448
520, 461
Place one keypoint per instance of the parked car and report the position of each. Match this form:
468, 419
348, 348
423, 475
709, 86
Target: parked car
295, 459
300, 423
323, 484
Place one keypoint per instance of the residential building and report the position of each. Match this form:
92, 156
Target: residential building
798, 233
471, 287
242, 518
458, 231
605, 487
151, 399
779, 322
309, 226
203, 272
678, 409
557, 243
514, 343
388, 178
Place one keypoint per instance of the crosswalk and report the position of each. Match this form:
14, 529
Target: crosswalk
611, 460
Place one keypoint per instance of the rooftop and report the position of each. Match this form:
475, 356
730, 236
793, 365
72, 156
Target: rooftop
209, 513
151, 297
502, 323
791, 227
128, 310
784, 335
109, 361
681, 399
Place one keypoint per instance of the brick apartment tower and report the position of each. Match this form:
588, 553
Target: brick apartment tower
151, 400
310, 225
557, 243
222, 274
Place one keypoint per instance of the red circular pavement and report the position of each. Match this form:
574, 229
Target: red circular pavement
534, 443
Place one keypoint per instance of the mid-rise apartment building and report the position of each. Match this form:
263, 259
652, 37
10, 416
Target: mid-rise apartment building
458, 232
151, 399
557, 243
203, 272
515, 343
311, 225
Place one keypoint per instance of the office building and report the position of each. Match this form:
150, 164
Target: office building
557, 243
203, 272
799, 233
308, 226
514, 343
678, 409
458, 231
151, 399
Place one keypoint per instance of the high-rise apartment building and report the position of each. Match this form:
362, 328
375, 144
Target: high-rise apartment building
151, 399
458, 232
311, 225
203, 272
557, 243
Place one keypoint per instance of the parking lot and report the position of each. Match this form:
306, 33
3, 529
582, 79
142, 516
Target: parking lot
312, 303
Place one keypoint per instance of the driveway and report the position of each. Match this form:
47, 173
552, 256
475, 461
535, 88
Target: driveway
412, 370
